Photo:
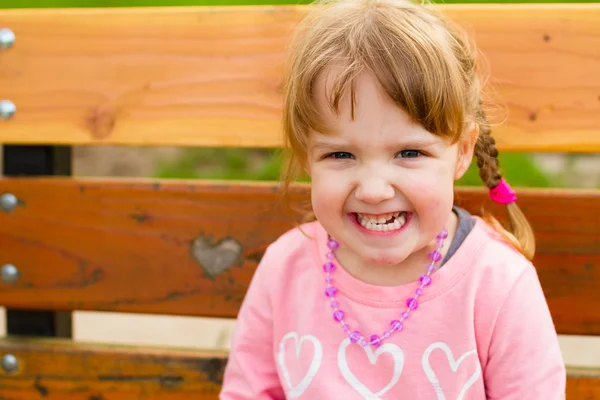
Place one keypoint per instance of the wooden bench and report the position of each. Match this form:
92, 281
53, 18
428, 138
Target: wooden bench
210, 76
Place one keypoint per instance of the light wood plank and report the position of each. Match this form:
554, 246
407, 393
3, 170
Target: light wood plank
210, 76
95, 237
60, 370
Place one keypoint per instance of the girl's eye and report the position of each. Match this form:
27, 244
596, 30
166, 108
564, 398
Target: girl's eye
409, 154
340, 155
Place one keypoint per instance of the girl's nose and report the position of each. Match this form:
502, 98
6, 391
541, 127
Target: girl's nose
374, 190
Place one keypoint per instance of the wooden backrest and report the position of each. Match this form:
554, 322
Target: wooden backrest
210, 76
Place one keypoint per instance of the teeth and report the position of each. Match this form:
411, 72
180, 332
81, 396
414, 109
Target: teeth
401, 220
378, 224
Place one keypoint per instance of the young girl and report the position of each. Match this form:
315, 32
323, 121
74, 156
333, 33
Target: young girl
392, 292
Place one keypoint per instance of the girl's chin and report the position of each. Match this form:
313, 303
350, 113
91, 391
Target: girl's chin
383, 260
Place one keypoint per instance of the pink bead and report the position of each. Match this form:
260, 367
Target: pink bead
431, 268
397, 326
333, 244
338, 315
412, 303
375, 341
329, 267
435, 256
440, 243
330, 255
328, 279
405, 315
386, 334
419, 292
331, 291
334, 304
363, 342
425, 280
346, 328
443, 234
354, 336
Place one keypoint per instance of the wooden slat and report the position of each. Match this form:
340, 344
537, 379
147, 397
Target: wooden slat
149, 247
210, 76
583, 383
59, 370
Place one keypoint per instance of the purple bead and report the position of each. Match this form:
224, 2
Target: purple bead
431, 268
412, 303
425, 280
405, 315
386, 334
354, 336
333, 244
435, 256
328, 279
363, 342
440, 243
375, 341
329, 267
338, 315
334, 304
397, 326
443, 234
331, 291
419, 292
330, 255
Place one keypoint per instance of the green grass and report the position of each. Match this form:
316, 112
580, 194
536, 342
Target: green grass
218, 163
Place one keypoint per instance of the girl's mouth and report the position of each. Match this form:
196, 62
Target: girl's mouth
383, 222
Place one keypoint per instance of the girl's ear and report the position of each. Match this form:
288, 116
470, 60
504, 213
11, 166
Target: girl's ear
466, 147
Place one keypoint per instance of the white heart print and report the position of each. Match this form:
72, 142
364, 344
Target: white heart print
296, 391
356, 384
454, 364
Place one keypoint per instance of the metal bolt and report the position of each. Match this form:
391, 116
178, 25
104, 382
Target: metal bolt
7, 38
8, 201
10, 273
7, 109
9, 363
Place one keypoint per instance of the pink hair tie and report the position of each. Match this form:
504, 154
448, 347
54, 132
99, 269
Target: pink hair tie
503, 193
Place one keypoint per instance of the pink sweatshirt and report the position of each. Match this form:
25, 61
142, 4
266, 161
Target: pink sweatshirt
482, 330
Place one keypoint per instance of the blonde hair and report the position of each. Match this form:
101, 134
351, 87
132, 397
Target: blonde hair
425, 64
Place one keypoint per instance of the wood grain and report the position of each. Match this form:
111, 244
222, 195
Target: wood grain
583, 383
148, 247
211, 76
61, 370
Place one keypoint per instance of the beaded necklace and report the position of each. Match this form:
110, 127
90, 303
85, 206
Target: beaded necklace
412, 303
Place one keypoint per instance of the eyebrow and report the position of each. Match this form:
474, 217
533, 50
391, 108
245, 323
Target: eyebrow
416, 142
320, 145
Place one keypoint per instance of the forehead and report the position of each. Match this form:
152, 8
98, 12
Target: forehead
375, 117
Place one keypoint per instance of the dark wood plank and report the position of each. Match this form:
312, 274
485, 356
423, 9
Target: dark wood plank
37, 160
211, 76
60, 370
583, 383
134, 246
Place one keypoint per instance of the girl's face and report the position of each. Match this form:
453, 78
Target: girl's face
382, 185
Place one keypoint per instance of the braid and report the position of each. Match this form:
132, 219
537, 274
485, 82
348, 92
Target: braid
520, 235
487, 153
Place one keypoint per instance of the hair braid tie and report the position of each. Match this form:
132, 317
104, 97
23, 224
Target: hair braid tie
503, 193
